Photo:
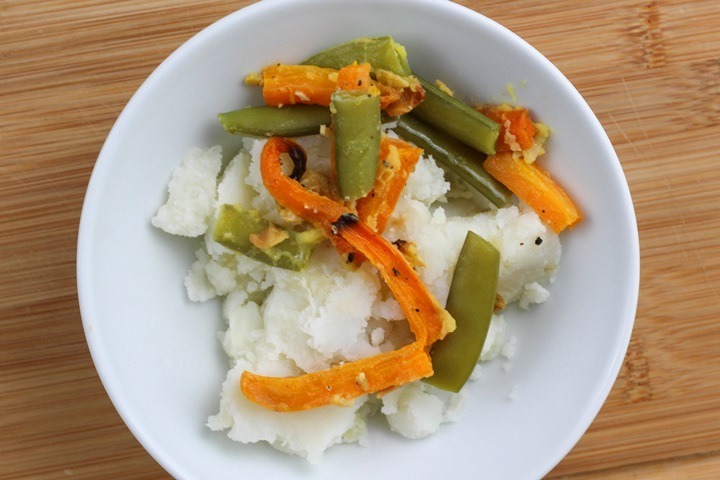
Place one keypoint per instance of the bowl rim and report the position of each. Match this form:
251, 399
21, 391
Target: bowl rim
89, 211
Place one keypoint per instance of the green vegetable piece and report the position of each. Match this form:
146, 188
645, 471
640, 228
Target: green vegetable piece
457, 119
235, 225
471, 302
379, 52
460, 159
289, 121
356, 141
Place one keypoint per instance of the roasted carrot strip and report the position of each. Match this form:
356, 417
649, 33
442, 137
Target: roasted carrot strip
311, 85
424, 314
319, 210
517, 131
354, 77
291, 84
397, 161
339, 385
426, 317
534, 186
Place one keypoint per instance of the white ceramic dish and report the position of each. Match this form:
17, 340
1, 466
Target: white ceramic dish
157, 353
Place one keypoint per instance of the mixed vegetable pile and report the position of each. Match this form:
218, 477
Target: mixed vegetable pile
347, 92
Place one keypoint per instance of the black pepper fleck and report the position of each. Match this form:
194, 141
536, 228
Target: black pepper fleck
417, 310
351, 257
538, 241
396, 271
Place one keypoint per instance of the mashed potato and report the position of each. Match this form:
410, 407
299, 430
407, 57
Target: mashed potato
283, 323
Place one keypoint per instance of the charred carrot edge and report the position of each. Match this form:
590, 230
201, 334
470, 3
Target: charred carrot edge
388, 96
376, 208
427, 319
517, 120
399, 101
339, 385
534, 186
292, 84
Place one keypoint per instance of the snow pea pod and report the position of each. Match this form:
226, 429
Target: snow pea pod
471, 301
288, 121
356, 141
235, 226
380, 52
459, 158
457, 119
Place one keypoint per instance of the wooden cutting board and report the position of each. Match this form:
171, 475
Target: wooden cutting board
649, 69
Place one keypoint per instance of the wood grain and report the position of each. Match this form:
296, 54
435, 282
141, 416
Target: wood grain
649, 69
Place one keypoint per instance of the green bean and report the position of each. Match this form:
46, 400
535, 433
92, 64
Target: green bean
356, 141
457, 119
288, 121
235, 225
379, 52
460, 159
471, 302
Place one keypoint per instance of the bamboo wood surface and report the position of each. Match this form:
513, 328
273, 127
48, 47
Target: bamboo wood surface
649, 69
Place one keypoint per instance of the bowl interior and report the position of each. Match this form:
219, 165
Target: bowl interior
158, 354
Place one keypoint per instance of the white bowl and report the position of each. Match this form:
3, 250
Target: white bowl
157, 354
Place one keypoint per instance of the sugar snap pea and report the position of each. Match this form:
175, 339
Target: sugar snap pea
459, 158
380, 52
235, 225
356, 141
264, 121
471, 301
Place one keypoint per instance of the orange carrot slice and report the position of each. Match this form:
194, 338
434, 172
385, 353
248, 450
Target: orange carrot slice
319, 210
292, 84
397, 161
354, 77
534, 186
516, 128
428, 320
339, 385
311, 85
